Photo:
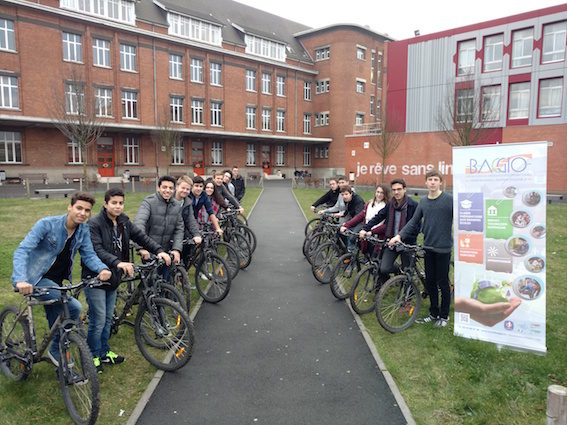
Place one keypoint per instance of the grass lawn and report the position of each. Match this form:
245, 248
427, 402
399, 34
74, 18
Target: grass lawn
38, 399
451, 380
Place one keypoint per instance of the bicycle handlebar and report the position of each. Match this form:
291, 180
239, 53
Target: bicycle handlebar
42, 290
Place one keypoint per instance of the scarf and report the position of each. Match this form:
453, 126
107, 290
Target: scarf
403, 208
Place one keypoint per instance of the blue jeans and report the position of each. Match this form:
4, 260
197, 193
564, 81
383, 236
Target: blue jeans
101, 309
54, 310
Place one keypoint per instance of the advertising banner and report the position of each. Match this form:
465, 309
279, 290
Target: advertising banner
499, 230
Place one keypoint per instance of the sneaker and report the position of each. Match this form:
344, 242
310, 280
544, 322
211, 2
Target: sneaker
441, 323
203, 276
428, 319
98, 364
112, 358
53, 359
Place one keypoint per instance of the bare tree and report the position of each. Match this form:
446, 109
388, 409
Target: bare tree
165, 137
387, 140
74, 114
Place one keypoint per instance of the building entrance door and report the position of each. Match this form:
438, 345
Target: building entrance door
105, 156
266, 160
197, 158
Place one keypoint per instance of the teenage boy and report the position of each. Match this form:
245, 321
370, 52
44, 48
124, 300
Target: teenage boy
111, 231
200, 200
45, 258
182, 191
239, 184
436, 210
227, 181
353, 205
218, 179
339, 208
330, 198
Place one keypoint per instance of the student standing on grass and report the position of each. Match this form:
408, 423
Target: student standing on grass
45, 258
239, 184
218, 179
182, 191
339, 208
436, 210
202, 207
329, 199
111, 231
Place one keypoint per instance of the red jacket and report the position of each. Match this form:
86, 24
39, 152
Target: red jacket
360, 217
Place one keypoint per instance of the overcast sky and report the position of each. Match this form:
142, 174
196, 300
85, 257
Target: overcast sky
397, 18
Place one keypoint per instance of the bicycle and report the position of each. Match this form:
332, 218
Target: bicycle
326, 232
327, 255
231, 225
76, 372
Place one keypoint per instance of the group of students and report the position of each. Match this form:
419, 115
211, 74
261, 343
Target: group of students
163, 222
399, 218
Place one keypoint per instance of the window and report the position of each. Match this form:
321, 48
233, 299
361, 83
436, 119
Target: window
307, 90
519, 102
280, 155
196, 70
74, 154
251, 117
490, 108
306, 155
554, 42
266, 83
379, 108
322, 86
216, 113
9, 92
74, 98
175, 67
360, 86
216, 74
7, 35
466, 57
127, 57
194, 29
372, 67
379, 70
101, 53
250, 80
131, 150
197, 111
178, 152
371, 104
129, 104
10, 147
216, 153
550, 97
322, 53
250, 154
119, 10
360, 52
522, 45
280, 85
263, 47
359, 118
103, 102
266, 119
493, 52
321, 119
280, 120
176, 108
464, 107
72, 47
306, 123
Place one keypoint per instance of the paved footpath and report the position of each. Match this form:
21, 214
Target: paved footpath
279, 349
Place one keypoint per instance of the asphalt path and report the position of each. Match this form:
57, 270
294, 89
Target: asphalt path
279, 349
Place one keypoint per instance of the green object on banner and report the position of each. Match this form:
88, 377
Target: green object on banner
498, 212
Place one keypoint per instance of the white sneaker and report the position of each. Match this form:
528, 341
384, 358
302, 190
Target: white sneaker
428, 319
203, 276
441, 323
53, 359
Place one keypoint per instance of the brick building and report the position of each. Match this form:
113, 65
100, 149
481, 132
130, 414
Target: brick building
236, 84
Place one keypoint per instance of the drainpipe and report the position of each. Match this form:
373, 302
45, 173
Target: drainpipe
155, 102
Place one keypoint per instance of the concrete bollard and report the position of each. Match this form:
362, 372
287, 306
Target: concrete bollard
556, 405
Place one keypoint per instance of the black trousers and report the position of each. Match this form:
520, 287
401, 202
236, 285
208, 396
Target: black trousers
437, 278
388, 258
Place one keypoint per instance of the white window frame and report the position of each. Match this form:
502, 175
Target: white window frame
251, 80
280, 85
554, 35
175, 66
280, 155
522, 47
103, 101
74, 153
306, 155
361, 53
359, 118
72, 47
550, 97
263, 47
194, 29
519, 100
266, 119
306, 123
466, 57
7, 35
74, 98
322, 53
216, 74
251, 118
129, 104
10, 147
9, 92
176, 108
360, 86
101, 52
127, 57
178, 152
490, 106
493, 52
372, 67
280, 121
322, 86
266, 83
464, 103
250, 154
216, 114
321, 119
117, 10
197, 111
307, 85
131, 150
196, 69
216, 153
372, 100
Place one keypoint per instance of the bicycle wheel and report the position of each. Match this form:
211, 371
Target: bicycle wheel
363, 291
311, 225
212, 278
172, 293
78, 378
397, 304
171, 333
249, 234
230, 256
239, 242
242, 219
180, 281
343, 276
14, 342
324, 261
311, 243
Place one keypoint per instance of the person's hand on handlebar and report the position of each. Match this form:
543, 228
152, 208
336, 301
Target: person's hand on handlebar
104, 275
24, 288
176, 256
144, 254
127, 268
363, 234
197, 240
165, 257
312, 208
343, 229
395, 240
241, 210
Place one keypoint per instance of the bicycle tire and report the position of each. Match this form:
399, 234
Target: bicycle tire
78, 378
230, 255
343, 277
18, 342
216, 286
243, 249
324, 261
172, 329
180, 281
397, 304
311, 225
242, 218
170, 292
311, 243
249, 234
362, 295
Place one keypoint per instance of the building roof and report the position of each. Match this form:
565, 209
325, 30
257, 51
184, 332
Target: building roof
333, 27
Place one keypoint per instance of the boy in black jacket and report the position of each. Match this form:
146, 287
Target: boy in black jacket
111, 232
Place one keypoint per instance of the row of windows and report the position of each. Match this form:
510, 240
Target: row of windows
194, 29
118, 10
266, 82
554, 38
550, 98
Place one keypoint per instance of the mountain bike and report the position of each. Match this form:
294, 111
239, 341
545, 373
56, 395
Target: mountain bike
76, 372
230, 225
